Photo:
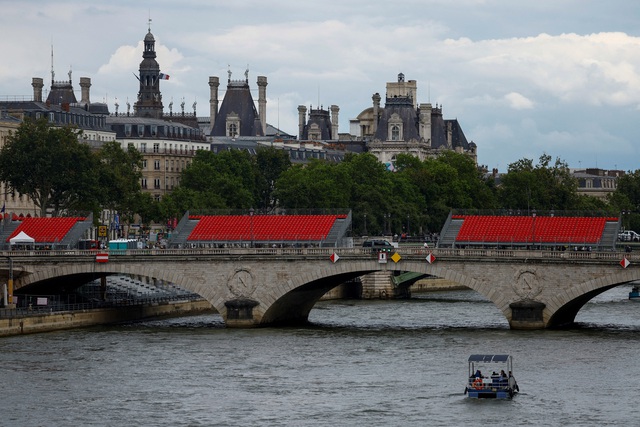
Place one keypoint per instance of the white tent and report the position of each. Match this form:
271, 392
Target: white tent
22, 238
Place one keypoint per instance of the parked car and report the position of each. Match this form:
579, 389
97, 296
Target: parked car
378, 245
629, 236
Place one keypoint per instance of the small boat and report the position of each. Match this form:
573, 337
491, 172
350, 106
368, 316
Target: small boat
491, 377
634, 295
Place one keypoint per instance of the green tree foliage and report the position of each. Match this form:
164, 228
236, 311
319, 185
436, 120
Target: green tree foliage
542, 186
449, 181
626, 199
51, 166
270, 164
317, 185
119, 174
213, 181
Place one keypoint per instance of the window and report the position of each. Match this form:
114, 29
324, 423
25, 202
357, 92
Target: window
233, 130
156, 183
395, 133
156, 147
143, 147
144, 183
127, 130
144, 164
156, 165
140, 130
154, 130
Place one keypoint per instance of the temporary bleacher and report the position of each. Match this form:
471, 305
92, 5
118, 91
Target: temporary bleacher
528, 230
267, 229
48, 230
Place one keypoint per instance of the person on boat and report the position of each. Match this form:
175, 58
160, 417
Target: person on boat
513, 385
478, 374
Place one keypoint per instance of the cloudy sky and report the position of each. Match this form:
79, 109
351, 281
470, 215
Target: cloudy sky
523, 78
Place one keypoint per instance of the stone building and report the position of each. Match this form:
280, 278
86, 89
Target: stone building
11, 201
237, 115
167, 143
597, 182
320, 125
61, 108
404, 126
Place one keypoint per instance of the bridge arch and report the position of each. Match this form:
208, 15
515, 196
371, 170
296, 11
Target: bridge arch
280, 285
571, 300
298, 295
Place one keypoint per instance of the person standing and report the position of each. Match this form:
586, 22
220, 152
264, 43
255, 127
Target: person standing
513, 385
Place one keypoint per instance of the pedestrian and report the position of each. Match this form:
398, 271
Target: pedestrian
513, 385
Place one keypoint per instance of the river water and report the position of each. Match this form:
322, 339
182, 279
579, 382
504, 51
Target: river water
364, 363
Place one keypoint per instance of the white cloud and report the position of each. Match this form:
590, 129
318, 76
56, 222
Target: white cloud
519, 79
518, 101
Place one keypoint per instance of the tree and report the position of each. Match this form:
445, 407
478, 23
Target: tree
119, 174
49, 165
224, 180
626, 199
270, 164
542, 186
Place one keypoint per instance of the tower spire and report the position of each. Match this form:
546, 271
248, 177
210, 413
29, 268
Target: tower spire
53, 73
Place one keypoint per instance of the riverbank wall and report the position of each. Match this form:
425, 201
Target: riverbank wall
48, 322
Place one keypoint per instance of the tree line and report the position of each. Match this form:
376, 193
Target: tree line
61, 174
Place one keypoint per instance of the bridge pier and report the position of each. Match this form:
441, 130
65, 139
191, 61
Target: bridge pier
240, 313
378, 285
527, 314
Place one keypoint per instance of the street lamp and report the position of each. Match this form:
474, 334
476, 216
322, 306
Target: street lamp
533, 233
625, 218
8, 296
251, 224
365, 224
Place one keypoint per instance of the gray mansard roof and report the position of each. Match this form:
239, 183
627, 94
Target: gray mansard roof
238, 100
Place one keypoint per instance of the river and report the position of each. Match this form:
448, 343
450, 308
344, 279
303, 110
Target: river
360, 363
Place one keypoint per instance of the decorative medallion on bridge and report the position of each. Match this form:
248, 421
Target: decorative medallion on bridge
526, 283
395, 257
241, 283
334, 257
625, 262
430, 258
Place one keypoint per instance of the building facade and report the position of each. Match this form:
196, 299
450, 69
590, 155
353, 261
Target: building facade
404, 126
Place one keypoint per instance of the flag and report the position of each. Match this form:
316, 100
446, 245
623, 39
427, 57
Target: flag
162, 76
3, 207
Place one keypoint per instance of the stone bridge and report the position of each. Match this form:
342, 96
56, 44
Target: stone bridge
252, 287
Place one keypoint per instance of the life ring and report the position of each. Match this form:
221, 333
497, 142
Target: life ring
477, 384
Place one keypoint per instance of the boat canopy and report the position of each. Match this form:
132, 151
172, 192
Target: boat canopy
486, 358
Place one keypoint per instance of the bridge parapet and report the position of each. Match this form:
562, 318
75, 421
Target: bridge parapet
254, 286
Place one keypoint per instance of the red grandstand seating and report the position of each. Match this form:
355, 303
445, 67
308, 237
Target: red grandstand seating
46, 230
263, 227
530, 229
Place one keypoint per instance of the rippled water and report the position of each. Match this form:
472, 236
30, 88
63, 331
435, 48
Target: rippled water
365, 363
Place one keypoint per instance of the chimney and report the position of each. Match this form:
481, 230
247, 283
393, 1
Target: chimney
302, 113
376, 112
262, 102
424, 128
85, 84
334, 122
214, 83
37, 84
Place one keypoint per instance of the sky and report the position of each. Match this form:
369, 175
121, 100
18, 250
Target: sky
523, 78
